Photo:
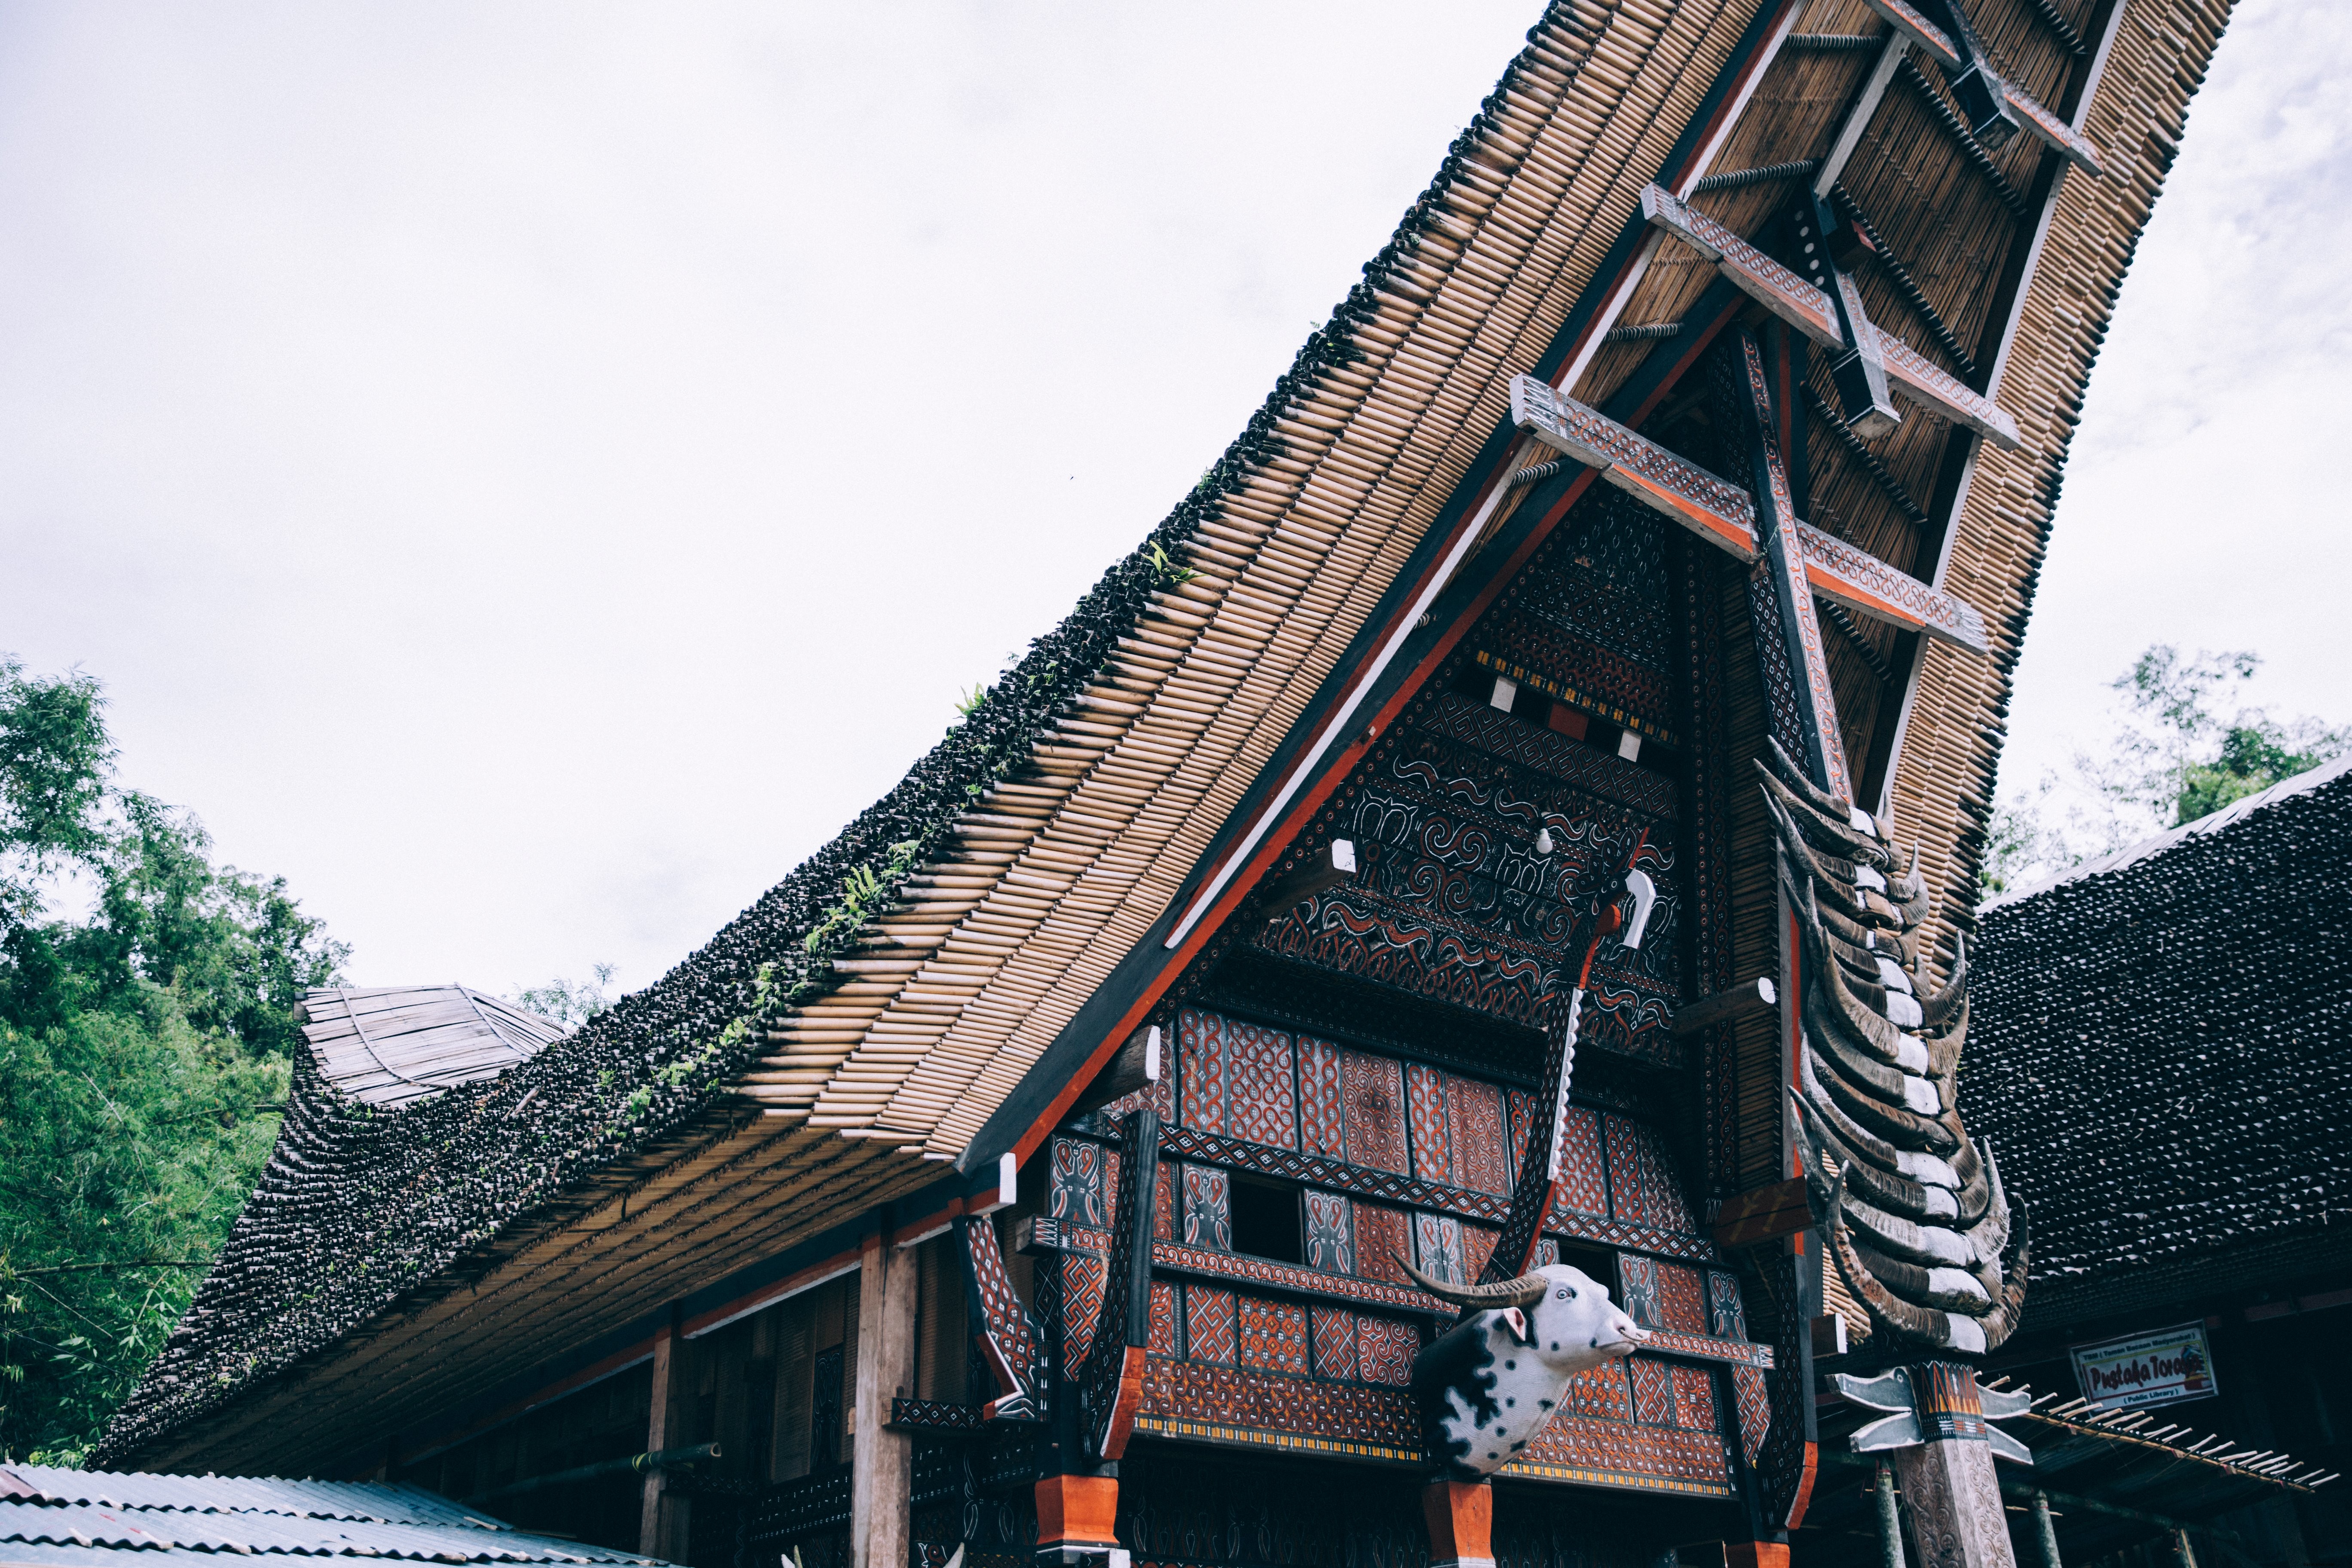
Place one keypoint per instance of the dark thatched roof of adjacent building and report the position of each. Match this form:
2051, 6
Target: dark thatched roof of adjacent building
2160, 1051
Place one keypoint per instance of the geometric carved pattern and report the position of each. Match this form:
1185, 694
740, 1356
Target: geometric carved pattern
1209, 1333
1084, 1276
1382, 1236
1727, 1317
1477, 1247
1694, 1398
1262, 1105
1330, 1241
1164, 1338
1476, 1115
1322, 1122
1653, 1391
1754, 1407
1388, 1348
1601, 1391
1009, 1335
1273, 1336
1681, 1300
1425, 1096
1076, 1193
1373, 1090
1335, 1342
1403, 1190
1208, 1208
1640, 1181
1189, 1399
1163, 1202
1200, 1051
1614, 1454
1583, 1184
1244, 1269
1437, 1247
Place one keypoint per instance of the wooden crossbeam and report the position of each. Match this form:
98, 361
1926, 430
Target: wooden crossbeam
1995, 105
1818, 315
1725, 516
1763, 1213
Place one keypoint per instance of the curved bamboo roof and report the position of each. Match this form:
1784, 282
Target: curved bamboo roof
920, 994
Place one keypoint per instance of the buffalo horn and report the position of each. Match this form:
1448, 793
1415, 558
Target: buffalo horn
1520, 1292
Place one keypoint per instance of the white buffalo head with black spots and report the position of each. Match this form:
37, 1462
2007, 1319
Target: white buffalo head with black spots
1489, 1385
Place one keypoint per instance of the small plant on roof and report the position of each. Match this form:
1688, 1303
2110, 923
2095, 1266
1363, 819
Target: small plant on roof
969, 703
1172, 574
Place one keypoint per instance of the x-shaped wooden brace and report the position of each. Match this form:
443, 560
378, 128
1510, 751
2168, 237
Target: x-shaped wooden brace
1996, 106
1801, 560
1866, 360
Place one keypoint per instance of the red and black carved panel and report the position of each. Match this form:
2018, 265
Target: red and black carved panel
1522, 1108
1011, 1340
1334, 1333
1208, 1324
1583, 1167
1373, 1088
1124, 1330
1084, 1275
1200, 1069
1642, 1188
1695, 1399
1208, 1208
1330, 1235
1477, 1245
1476, 1133
1682, 1298
1322, 1122
1754, 1405
1383, 1235
1166, 1330
1226, 1402
1272, 1335
1640, 1457
1261, 1103
1424, 1090
1437, 1248
1637, 1289
1076, 1182
1727, 1314
1653, 1389
1601, 1391
1163, 1203
1386, 1347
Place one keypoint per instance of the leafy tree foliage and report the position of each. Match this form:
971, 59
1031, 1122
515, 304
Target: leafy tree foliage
568, 1003
144, 1040
2180, 749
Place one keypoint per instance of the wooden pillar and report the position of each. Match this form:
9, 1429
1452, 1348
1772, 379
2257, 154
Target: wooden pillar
2045, 1533
885, 1370
1461, 1520
662, 1520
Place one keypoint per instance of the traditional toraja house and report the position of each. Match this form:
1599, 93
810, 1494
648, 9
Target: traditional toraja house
2161, 1041
1374, 870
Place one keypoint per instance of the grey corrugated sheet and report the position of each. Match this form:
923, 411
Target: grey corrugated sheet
75, 1518
390, 1045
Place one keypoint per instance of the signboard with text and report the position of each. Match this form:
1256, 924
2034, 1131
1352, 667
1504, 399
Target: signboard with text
2163, 1366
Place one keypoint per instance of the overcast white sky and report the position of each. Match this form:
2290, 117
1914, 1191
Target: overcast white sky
529, 473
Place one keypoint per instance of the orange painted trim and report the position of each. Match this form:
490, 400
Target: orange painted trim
1302, 811
1123, 1408
1461, 1520
1078, 1510
1836, 585
1755, 1553
1804, 1497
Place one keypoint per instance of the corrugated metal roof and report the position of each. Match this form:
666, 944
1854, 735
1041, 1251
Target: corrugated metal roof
390, 1045
55, 1516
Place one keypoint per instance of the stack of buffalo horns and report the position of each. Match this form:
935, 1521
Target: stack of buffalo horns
1913, 1214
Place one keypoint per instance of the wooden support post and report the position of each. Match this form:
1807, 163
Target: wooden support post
1077, 1516
878, 1527
1461, 1519
662, 1520
2045, 1531
1756, 1554
1890, 1522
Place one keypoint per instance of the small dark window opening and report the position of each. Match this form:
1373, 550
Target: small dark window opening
1267, 1222
1597, 1262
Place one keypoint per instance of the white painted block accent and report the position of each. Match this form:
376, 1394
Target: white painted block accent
1507, 691
1629, 746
